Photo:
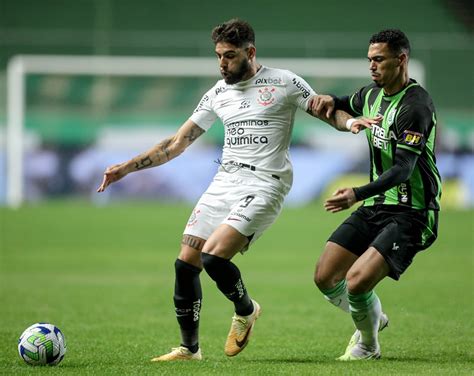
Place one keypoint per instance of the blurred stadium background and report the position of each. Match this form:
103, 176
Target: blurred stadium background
76, 124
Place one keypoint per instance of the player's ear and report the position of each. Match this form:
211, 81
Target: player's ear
251, 51
403, 58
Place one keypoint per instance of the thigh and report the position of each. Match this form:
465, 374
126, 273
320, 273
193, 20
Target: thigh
210, 211
357, 232
398, 242
368, 270
225, 242
254, 212
333, 265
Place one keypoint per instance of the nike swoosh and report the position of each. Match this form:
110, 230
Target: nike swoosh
359, 318
234, 219
244, 340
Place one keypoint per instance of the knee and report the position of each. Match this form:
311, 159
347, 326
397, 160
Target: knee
184, 268
357, 283
323, 278
212, 263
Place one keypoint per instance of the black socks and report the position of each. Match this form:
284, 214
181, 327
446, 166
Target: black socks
228, 280
187, 302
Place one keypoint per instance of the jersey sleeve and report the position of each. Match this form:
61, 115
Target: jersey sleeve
352, 104
298, 90
414, 123
204, 115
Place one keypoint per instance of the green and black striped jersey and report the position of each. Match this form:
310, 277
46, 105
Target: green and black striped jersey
409, 122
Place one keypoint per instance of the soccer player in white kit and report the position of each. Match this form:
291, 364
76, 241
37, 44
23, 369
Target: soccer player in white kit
257, 106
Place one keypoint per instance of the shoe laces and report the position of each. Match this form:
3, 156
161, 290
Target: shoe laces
239, 323
181, 350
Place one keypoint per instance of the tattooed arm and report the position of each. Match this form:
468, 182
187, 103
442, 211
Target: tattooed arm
161, 153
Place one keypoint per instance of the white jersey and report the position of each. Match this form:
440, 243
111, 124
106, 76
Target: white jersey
258, 116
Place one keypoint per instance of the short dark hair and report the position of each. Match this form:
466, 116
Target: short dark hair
396, 40
234, 31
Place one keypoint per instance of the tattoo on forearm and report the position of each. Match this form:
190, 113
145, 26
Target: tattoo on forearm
162, 153
193, 134
143, 163
193, 242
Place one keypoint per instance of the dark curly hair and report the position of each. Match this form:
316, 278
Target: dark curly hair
235, 31
396, 40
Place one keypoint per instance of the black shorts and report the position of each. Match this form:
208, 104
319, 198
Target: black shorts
398, 233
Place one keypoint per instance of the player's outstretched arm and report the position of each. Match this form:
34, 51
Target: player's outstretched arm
323, 107
159, 154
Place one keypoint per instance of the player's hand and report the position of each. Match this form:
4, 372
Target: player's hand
360, 123
111, 175
322, 106
342, 199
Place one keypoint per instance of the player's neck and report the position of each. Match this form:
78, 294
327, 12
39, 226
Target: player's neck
254, 68
398, 85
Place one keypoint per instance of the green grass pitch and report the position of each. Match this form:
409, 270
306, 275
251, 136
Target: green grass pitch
105, 277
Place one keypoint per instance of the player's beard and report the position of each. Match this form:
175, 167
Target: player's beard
232, 78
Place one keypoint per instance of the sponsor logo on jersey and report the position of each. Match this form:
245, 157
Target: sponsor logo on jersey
268, 81
403, 192
266, 97
302, 88
221, 89
380, 138
248, 123
412, 138
249, 139
244, 104
201, 104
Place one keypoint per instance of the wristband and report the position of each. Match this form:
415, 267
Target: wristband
349, 123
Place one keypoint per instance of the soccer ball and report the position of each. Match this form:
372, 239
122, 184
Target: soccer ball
42, 344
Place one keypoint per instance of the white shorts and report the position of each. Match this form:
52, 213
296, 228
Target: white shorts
241, 200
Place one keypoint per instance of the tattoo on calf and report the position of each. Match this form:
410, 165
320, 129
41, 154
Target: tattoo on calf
193, 242
143, 163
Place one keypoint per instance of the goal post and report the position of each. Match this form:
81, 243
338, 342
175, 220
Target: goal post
20, 66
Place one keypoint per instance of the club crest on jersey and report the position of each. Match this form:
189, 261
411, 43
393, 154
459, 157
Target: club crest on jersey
266, 97
391, 116
412, 138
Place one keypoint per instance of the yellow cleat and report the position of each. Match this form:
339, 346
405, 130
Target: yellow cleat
178, 353
240, 331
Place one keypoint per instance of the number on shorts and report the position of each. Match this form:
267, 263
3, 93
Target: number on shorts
247, 200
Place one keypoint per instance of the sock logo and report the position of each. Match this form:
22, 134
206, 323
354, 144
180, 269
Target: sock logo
196, 309
359, 318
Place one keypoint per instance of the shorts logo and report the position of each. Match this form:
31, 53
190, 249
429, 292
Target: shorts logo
235, 216
193, 219
412, 138
266, 97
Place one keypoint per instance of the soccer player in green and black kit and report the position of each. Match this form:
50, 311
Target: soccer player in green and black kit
399, 215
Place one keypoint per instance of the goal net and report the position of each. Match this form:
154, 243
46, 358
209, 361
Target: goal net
68, 117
